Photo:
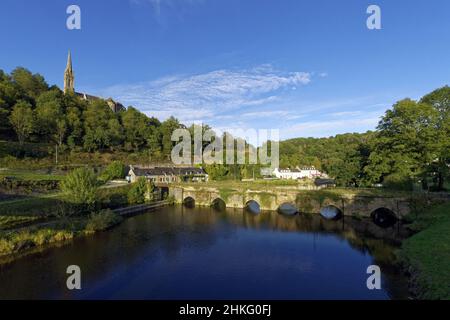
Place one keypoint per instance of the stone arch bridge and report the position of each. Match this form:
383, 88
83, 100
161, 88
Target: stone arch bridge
305, 201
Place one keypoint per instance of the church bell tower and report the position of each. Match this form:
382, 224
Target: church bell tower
69, 78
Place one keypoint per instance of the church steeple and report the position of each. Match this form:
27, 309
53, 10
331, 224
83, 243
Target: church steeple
69, 78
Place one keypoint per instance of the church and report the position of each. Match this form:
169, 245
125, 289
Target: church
69, 87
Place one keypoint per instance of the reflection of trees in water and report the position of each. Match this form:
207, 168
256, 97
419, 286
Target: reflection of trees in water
166, 232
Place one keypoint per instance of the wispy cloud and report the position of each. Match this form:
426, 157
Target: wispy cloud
158, 5
330, 127
209, 95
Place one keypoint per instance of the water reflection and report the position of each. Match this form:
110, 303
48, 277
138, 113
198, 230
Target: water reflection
181, 253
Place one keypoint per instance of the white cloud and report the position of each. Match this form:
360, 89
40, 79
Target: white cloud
326, 128
157, 5
208, 95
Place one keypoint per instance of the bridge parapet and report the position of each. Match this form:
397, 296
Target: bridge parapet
305, 201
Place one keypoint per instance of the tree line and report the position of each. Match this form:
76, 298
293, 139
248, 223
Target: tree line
34, 112
410, 147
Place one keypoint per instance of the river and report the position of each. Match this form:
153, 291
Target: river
201, 253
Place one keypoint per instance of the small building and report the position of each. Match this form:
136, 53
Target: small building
168, 174
297, 173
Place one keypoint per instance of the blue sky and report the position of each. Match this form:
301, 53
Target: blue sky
308, 68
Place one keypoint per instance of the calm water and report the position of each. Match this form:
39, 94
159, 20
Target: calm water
180, 253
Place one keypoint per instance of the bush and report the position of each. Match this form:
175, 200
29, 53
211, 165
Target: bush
116, 170
103, 220
80, 186
136, 195
398, 182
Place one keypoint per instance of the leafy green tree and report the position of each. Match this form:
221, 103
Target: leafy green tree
167, 128
440, 100
80, 187
115, 170
137, 127
22, 120
102, 129
49, 111
31, 85
405, 143
136, 195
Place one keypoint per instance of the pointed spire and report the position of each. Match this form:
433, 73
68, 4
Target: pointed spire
69, 77
69, 61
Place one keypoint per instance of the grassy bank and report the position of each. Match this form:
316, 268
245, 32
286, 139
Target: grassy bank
18, 241
426, 255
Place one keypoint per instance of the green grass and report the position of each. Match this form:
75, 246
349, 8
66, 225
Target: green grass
8, 222
43, 205
29, 175
427, 253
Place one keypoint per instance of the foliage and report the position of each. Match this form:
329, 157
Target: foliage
138, 190
115, 170
103, 220
80, 186
22, 120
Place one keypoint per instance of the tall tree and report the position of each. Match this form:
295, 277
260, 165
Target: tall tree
167, 128
22, 120
404, 146
440, 100
31, 85
101, 126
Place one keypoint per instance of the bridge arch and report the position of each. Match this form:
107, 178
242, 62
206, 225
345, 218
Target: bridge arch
331, 212
189, 202
384, 217
287, 208
218, 204
252, 206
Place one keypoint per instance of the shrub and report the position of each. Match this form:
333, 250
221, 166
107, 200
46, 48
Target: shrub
136, 195
398, 182
80, 186
103, 220
6, 247
116, 170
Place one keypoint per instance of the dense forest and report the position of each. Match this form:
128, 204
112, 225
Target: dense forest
411, 144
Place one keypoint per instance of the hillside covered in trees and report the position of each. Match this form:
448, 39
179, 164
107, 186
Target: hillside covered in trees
410, 145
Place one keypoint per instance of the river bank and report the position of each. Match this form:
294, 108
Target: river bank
426, 255
16, 242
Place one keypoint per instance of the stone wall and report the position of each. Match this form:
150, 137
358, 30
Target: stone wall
307, 202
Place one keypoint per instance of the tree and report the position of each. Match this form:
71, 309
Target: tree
167, 128
22, 120
440, 100
136, 195
31, 85
115, 170
80, 187
136, 126
102, 129
49, 111
405, 143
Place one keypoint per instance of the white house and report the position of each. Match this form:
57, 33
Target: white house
297, 173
